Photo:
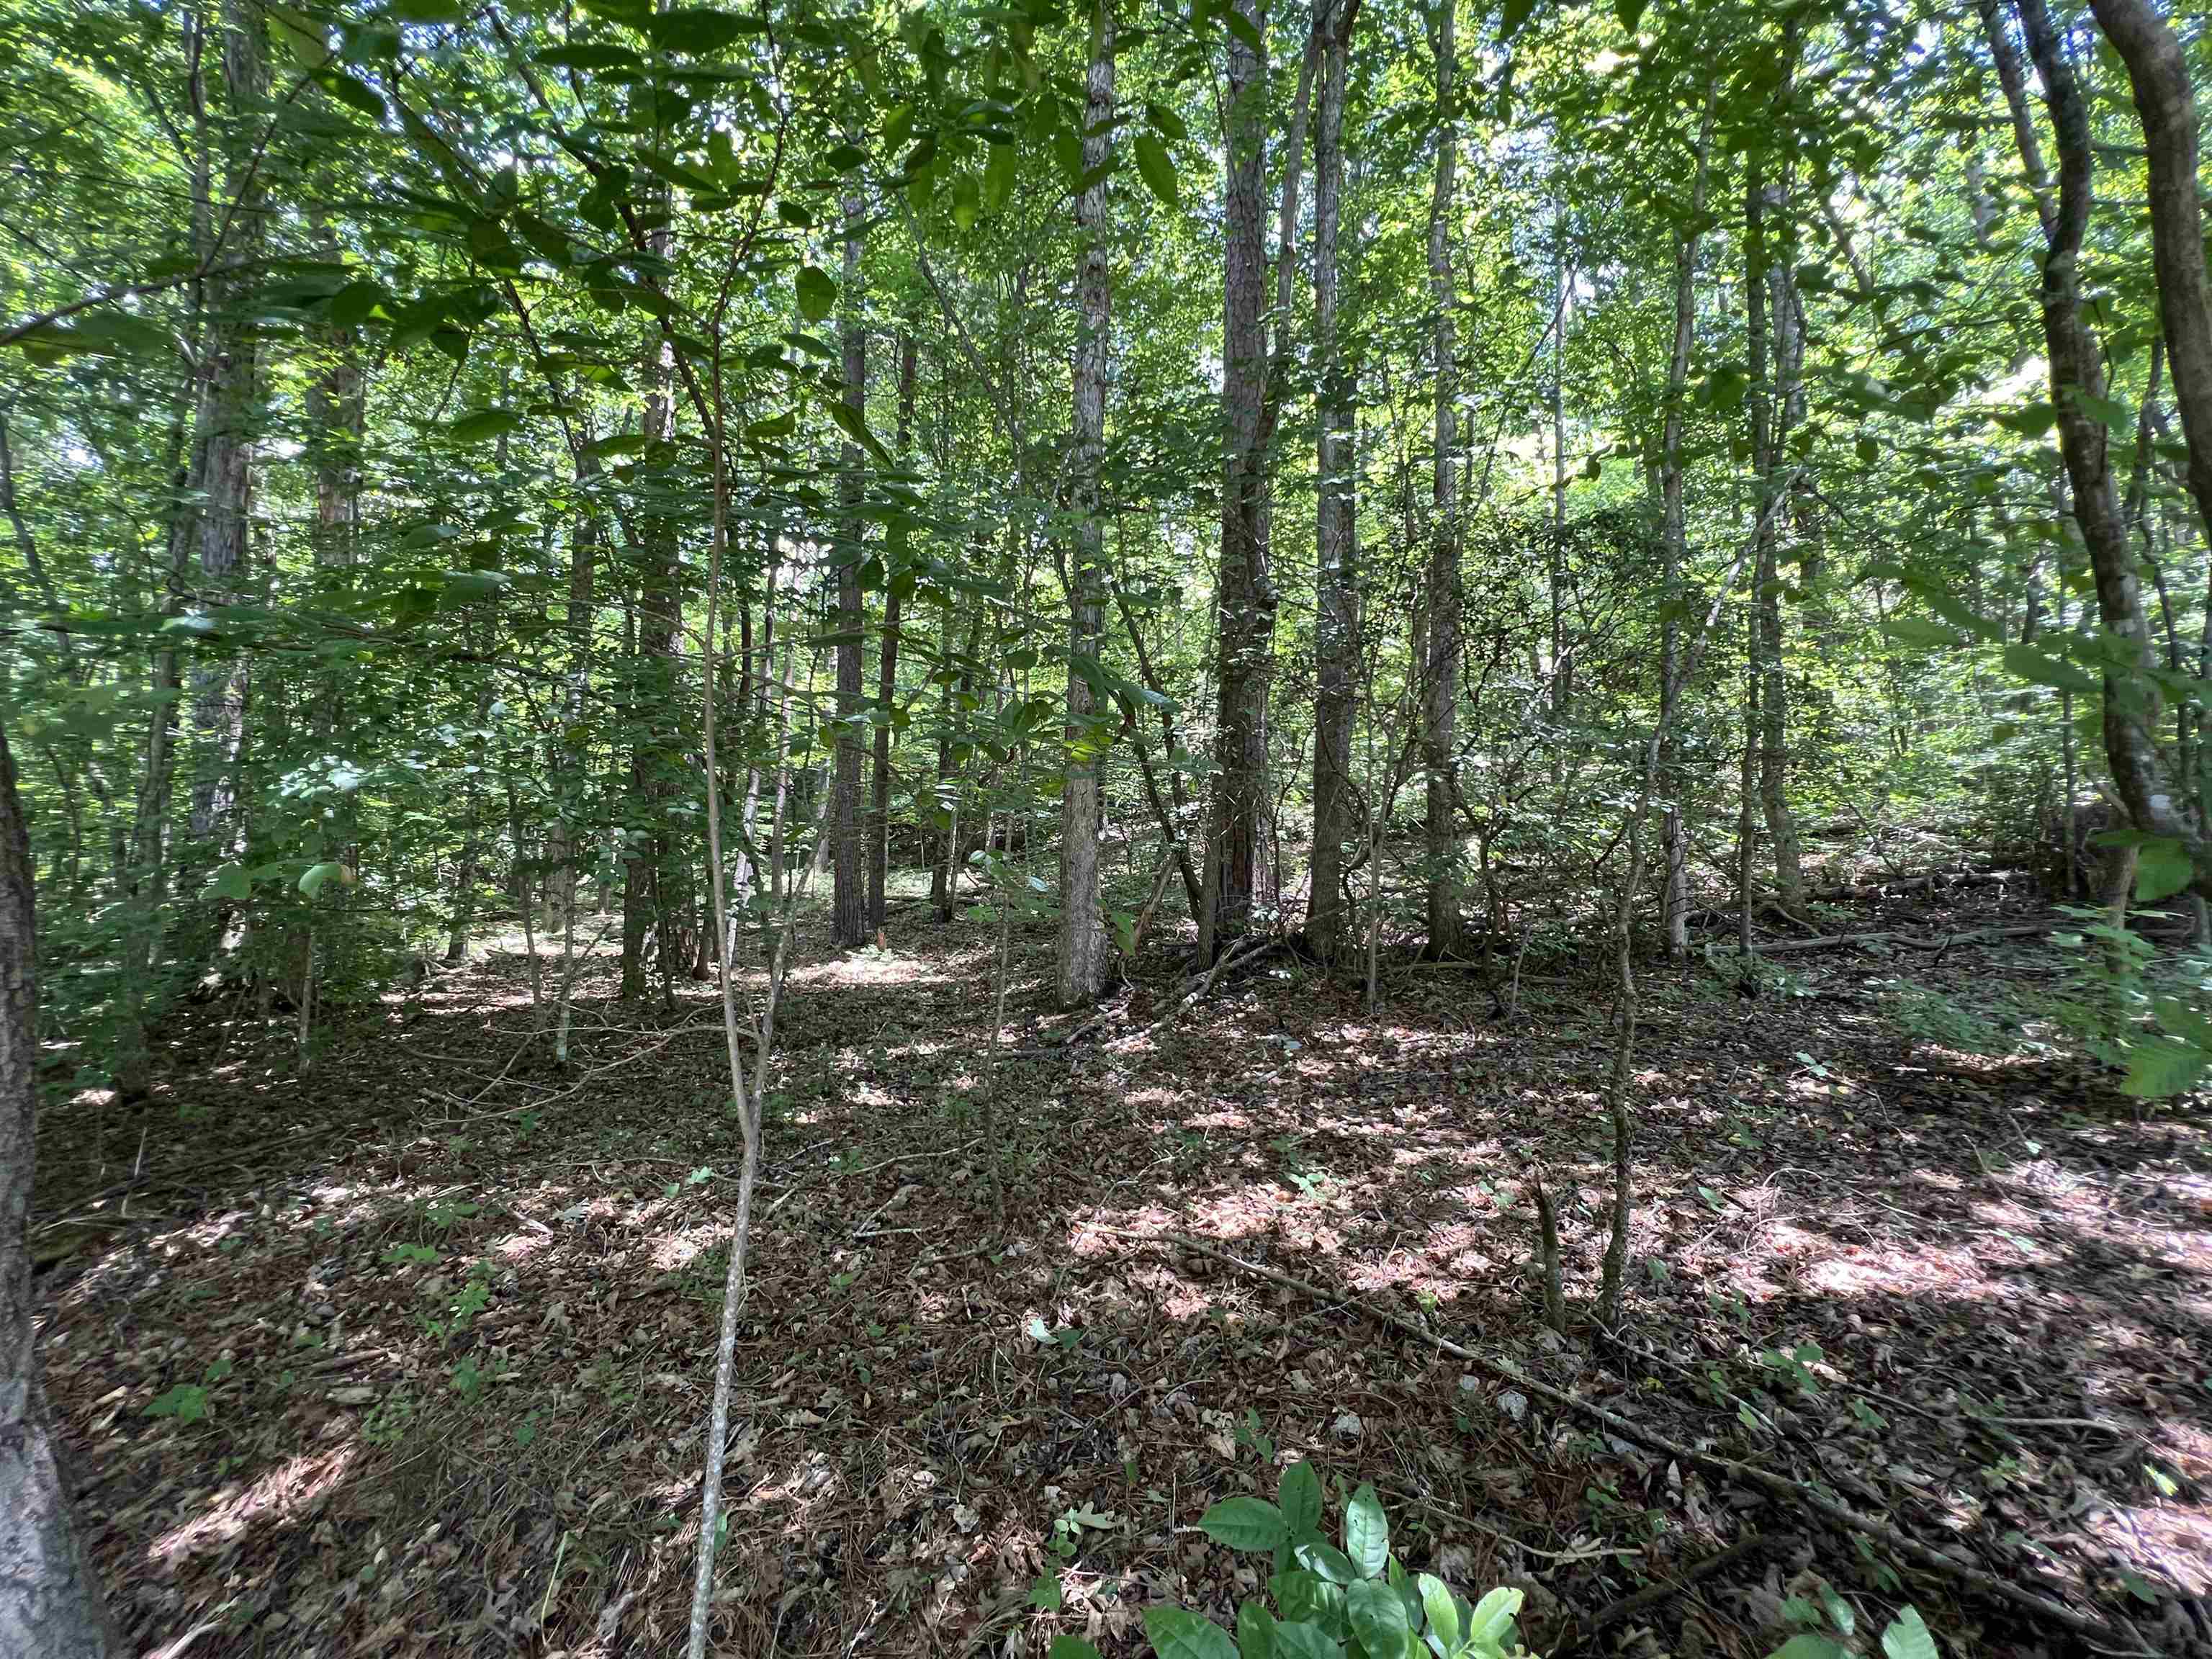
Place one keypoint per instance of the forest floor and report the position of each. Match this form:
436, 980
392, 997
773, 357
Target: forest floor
412, 1355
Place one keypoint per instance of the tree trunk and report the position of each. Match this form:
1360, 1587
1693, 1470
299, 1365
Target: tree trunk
848, 926
2158, 70
655, 719
1770, 293
2131, 700
1440, 666
1082, 954
1245, 640
1675, 905
232, 387
1336, 537
49, 1603
895, 583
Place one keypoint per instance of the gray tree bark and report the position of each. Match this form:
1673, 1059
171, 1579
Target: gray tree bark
2158, 71
848, 919
1082, 954
1336, 527
1440, 665
1245, 636
49, 1603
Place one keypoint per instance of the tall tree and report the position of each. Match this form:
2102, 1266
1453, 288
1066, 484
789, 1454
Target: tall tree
1336, 512
848, 899
1246, 600
1440, 666
49, 1603
896, 584
1082, 935
2165, 100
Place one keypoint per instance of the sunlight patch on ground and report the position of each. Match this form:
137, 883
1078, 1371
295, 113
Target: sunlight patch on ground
295, 1485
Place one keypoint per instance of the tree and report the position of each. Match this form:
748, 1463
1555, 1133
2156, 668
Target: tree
1443, 598
1245, 607
1082, 936
50, 1604
1336, 512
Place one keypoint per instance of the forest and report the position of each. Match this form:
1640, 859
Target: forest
1341, 829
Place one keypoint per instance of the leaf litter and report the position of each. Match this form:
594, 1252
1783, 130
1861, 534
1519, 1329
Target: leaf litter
411, 1356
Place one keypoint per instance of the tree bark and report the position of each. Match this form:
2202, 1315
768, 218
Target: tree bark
1082, 953
1770, 293
1336, 529
2158, 71
233, 391
895, 583
1440, 665
49, 1603
849, 921
1246, 603
2131, 699
1674, 905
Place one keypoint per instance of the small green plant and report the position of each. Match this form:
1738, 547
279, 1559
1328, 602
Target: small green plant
388, 1423
1356, 1601
188, 1401
1828, 1624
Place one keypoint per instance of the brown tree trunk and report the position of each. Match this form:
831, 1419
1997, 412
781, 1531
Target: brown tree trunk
895, 583
2131, 700
1082, 952
1440, 665
849, 924
1246, 603
1336, 625
1675, 905
50, 1604
2158, 70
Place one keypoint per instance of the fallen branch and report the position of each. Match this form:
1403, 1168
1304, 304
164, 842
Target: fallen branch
1774, 1485
1652, 1595
1942, 942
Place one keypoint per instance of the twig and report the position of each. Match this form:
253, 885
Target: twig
1651, 1595
1774, 1485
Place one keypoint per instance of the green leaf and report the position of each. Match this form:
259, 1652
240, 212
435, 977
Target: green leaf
2036, 666
229, 881
697, 29
1443, 1612
1516, 14
1071, 1646
1158, 169
1908, 1636
1165, 122
1809, 1646
1297, 1639
1488, 1625
1255, 1630
1179, 1633
1630, 13
1245, 1523
1245, 30
1045, 1593
817, 292
351, 89
312, 883
2159, 1066
1378, 1616
999, 177
1301, 1498
2162, 869
1332, 1563
854, 426
1367, 1533
590, 56
484, 424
